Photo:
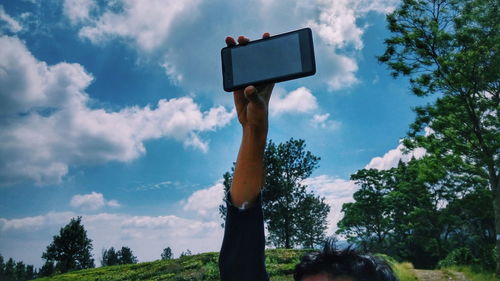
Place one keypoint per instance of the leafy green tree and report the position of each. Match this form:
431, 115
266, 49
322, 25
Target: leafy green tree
48, 269
125, 256
2, 267
417, 212
167, 254
30, 272
186, 253
20, 271
71, 249
451, 48
366, 221
109, 257
293, 215
311, 223
472, 225
10, 270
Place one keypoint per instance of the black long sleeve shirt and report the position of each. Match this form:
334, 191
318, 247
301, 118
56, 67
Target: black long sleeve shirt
242, 254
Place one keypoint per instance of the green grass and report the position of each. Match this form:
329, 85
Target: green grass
473, 273
280, 264
404, 270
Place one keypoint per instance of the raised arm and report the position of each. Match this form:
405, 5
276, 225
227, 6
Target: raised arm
252, 107
242, 253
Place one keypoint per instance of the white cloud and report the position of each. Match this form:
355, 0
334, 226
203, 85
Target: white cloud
78, 10
9, 23
148, 23
321, 121
92, 201
36, 222
205, 202
300, 100
47, 126
336, 24
188, 35
336, 192
145, 235
392, 157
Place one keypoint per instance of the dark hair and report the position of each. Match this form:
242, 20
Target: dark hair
347, 263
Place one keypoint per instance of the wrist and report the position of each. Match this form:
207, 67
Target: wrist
255, 133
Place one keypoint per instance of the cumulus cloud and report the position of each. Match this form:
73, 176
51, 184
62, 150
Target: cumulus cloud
92, 201
186, 36
336, 192
336, 22
78, 10
392, 157
8, 23
205, 202
321, 121
148, 23
300, 100
47, 125
145, 235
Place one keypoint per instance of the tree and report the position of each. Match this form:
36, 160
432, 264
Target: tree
10, 270
48, 269
113, 257
293, 215
30, 272
109, 257
71, 249
125, 256
20, 271
418, 212
186, 253
2, 267
167, 254
366, 221
311, 223
451, 48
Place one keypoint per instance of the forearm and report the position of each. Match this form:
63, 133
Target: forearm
248, 176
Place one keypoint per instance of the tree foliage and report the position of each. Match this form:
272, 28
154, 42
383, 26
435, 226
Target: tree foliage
294, 216
16, 271
113, 257
417, 212
167, 254
71, 249
109, 257
185, 253
125, 256
451, 48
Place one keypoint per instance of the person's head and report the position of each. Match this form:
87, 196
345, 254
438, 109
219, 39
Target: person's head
342, 265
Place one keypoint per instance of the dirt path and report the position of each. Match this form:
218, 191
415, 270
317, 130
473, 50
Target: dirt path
437, 275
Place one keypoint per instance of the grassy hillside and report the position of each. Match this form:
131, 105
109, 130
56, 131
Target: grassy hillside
280, 264
474, 274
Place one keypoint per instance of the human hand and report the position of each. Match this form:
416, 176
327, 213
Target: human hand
252, 103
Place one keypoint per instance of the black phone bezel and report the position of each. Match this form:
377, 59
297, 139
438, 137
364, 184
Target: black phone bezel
306, 55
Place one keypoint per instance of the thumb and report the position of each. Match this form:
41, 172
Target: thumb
251, 94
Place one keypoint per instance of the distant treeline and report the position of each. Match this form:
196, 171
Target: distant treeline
69, 251
418, 212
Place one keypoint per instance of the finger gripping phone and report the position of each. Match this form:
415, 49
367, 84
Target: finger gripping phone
275, 59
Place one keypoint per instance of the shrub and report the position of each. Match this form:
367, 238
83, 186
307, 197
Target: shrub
459, 256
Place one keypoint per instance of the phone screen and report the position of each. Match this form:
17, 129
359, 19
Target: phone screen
268, 58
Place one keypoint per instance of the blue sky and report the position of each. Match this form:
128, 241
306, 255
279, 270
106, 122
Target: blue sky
114, 110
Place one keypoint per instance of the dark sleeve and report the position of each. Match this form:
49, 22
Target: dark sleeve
242, 254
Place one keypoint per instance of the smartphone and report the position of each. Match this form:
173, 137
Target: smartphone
278, 58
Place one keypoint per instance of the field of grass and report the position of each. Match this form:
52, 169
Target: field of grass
280, 265
473, 273
403, 270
